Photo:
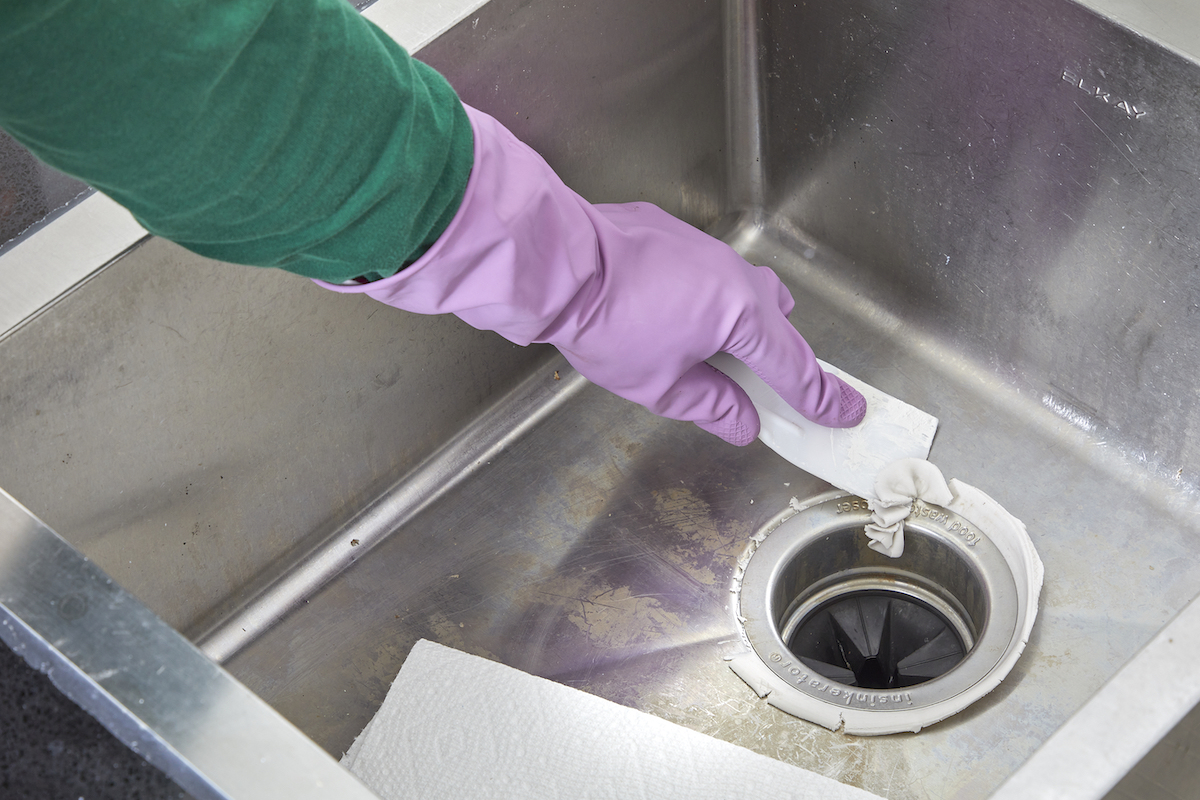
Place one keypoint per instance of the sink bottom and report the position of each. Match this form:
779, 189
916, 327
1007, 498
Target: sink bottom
599, 550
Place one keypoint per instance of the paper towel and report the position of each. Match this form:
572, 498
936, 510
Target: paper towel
456, 725
896, 487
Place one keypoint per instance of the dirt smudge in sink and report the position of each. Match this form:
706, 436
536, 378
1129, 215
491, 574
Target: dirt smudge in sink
701, 545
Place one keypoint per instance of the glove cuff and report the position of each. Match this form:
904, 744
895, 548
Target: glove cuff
515, 211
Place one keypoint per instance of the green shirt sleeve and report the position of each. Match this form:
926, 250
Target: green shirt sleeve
281, 133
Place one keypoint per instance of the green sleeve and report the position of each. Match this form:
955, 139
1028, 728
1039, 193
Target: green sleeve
282, 133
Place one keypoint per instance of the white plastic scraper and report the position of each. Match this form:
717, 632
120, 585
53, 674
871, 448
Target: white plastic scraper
849, 458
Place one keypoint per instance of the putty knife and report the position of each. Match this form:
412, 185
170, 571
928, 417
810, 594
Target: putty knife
849, 458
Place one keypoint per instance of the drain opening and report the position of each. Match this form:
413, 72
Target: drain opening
846, 637
879, 637
861, 619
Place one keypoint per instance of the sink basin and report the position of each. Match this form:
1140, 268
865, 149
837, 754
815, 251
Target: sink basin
987, 210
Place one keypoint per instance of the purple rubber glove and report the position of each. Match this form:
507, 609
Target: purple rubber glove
635, 299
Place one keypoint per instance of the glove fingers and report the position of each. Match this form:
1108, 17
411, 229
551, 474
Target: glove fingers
796, 376
853, 406
714, 402
779, 354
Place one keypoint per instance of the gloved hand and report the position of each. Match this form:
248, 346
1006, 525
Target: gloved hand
634, 298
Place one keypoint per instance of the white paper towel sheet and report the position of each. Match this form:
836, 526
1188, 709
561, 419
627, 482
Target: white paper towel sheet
459, 726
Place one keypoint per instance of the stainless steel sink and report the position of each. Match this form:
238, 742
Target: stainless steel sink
989, 210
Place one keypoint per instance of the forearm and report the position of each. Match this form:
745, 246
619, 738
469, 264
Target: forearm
287, 133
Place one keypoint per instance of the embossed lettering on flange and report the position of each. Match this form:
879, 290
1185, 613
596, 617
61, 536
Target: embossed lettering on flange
850, 696
1098, 92
942, 519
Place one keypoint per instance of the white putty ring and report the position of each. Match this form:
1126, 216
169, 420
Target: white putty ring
918, 637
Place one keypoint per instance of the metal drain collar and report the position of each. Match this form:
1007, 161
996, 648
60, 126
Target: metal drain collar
853, 640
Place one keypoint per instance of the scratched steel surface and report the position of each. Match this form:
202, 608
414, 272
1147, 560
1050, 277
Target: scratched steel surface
599, 551
1016, 181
